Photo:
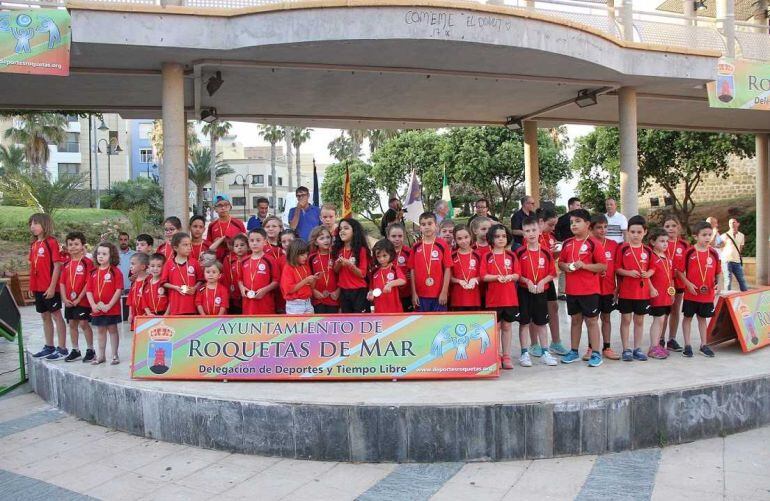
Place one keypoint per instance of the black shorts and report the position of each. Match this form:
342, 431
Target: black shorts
635, 306
354, 300
324, 309
660, 311
507, 313
607, 303
406, 304
533, 307
693, 308
587, 305
77, 313
465, 308
104, 320
550, 293
43, 305
234, 309
680, 291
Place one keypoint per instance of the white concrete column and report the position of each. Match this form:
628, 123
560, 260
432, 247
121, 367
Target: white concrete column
531, 165
611, 10
763, 209
175, 199
688, 9
627, 20
629, 166
726, 13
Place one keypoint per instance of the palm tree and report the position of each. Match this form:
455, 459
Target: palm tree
35, 132
156, 138
377, 137
357, 136
215, 131
272, 134
301, 135
199, 171
288, 134
11, 159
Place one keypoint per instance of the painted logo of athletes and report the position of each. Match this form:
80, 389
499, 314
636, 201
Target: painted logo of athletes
35, 42
744, 316
317, 347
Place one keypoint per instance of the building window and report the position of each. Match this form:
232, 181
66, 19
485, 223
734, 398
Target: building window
270, 183
145, 155
145, 130
280, 181
239, 201
71, 143
258, 179
281, 204
73, 118
69, 169
272, 202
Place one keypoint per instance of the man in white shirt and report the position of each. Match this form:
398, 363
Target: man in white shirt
732, 257
617, 224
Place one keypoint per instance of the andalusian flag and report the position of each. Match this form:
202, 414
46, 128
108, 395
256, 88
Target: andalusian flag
446, 196
347, 201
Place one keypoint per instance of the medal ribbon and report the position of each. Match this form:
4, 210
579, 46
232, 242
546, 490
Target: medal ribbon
638, 264
155, 301
429, 259
73, 275
572, 254
213, 299
182, 274
255, 267
673, 250
535, 269
382, 277
668, 270
701, 271
100, 284
460, 261
324, 269
494, 259
301, 273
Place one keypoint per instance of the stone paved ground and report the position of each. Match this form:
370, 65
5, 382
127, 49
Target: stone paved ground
48, 455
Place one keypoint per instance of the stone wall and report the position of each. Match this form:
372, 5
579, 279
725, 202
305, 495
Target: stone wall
740, 182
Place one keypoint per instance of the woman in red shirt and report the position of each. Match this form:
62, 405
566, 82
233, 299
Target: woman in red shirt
103, 291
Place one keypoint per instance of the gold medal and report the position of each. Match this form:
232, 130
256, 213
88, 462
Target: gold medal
429, 281
704, 289
671, 291
184, 289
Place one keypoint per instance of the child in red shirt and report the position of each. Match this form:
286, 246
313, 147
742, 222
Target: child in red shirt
431, 266
500, 270
386, 279
677, 246
139, 264
297, 280
351, 264
395, 233
465, 290
213, 297
154, 297
45, 263
232, 269
446, 230
72, 285
171, 226
537, 273
701, 272
582, 260
632, 266
223, 230
607, 285
197, 227
182, 276
104, 288
479, 228
546, 219
259, 277
325, 290
662, 291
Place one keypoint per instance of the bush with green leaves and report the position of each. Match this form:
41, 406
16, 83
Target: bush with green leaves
134, 194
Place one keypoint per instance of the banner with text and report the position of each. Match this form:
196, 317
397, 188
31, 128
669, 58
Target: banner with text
744, 316
316, 347
35, 42
740, 84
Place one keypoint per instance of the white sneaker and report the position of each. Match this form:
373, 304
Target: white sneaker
548, 359
524, 360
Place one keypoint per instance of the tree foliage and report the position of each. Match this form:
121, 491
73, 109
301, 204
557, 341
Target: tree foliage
140, 192
363, 190
199, 172
36, 131
36, 189
597, 164
12, 159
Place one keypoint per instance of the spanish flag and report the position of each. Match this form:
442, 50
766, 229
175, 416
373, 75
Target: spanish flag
347, 202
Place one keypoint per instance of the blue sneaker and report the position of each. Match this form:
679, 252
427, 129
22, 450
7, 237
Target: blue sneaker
47, 350
59, 354
639, 355
570, 357
595, 360
536, 350
558, 349
627, 356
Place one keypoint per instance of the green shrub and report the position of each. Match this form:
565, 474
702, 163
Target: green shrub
749, 229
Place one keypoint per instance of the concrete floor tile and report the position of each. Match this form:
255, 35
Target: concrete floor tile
747, 485
323, 492
255, 464
142, 454
538, 479
176, 492
128, 487
217, 478
87, 477
476, 478
354, 478
178, 465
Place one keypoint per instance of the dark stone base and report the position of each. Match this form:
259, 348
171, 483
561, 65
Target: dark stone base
411, 433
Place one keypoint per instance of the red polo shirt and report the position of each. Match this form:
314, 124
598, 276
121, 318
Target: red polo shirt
229, 229
633, 259
42, 256
582, 282
290, 277
212, 299
662, 280
327, 282
402, 260
429, 260
536, 264
389, 302
701, 268
155, 296
346, 279
256, 274
102, 284
465, 267
74, 276
501, 295
607, 283
198, 249
675, 252
188, 273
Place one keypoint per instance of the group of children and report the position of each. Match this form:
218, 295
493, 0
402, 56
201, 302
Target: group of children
270, 270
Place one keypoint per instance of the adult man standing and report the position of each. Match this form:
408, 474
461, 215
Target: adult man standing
125, 252
441, 210
394, 214
263, 208
732, 255
304, 217
482, 209
562, 229
617, 224
527, 209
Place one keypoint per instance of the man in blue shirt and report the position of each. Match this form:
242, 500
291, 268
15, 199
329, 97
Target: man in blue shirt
304, 217
263, 208
125, 252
